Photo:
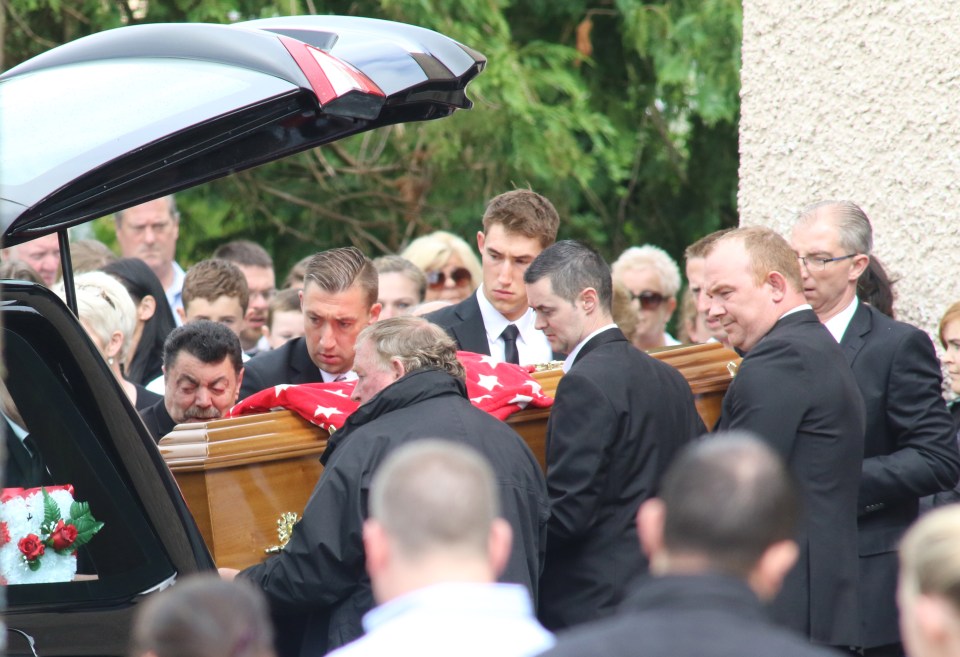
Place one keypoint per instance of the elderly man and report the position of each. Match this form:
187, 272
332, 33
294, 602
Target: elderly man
203, 368
796, 391
653, 279
720, 540
619, 418
339, 299
435, 546
910, 448
410, 386
257, 267
42, 255
149, 231
497, 320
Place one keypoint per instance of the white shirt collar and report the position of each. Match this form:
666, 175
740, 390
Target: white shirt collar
802, 306
330, 378
837, 325
532, 344
568, 362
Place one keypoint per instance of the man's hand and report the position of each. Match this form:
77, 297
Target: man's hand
228, 573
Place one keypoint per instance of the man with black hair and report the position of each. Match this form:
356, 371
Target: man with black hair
618, 419
203, 367
720, 539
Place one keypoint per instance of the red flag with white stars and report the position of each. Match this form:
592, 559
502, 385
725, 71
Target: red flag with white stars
500, 389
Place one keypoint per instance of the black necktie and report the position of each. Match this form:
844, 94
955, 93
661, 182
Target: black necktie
510, 353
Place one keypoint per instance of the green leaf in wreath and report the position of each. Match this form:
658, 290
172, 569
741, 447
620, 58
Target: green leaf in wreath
33, 565
86, 528
51, 512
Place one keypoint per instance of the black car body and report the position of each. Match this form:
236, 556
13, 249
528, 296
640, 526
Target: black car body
81, 135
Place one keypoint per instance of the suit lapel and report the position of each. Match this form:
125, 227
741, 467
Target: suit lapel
470, 333
302, 368
854, 337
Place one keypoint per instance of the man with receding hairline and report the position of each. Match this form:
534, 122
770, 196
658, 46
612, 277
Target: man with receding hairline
410, 385
435, 545
339, 299
795, 390
910, 444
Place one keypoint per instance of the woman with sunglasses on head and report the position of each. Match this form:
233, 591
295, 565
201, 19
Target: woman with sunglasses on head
452, 268
653, 279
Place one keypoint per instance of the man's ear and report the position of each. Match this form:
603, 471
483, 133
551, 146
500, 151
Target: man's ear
376, 547
375, 310
650, 519
589, 299
113, 347
860, 263
480, 239
181, 313
778, 285
396, 366
146, 308
499, 544
239, 383
932, 618
776, 561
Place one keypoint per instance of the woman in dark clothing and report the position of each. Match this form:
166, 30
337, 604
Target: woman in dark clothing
154, 318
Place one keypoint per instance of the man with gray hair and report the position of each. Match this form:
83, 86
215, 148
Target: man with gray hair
339, 298
410, 386
910, 448
435, 545
721, 538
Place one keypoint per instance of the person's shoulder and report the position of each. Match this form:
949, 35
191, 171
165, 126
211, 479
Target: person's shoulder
274, 357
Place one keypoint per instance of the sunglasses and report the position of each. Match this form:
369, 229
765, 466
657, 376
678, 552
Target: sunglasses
460, 277
648, 300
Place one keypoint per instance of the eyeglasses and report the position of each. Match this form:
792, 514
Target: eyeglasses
460, 276
648, 300
819, 264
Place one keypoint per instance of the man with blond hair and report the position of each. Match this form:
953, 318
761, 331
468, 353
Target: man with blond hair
653, 280
410, 386
796, 391
435, 545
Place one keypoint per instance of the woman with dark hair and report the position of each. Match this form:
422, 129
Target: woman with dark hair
154, 319
876, 287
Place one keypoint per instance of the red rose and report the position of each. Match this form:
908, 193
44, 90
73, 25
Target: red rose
63, 536
31, 547
4, 533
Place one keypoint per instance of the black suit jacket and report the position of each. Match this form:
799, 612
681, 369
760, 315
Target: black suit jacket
464, 323
910, 450
687, 616
158, 420
289, 363
795, 390
22, 469
619, 418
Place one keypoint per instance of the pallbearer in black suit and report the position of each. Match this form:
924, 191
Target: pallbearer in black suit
619, 418
339, 299
496, 319
795, 390
910, 448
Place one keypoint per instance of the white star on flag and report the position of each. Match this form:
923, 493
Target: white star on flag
487, 381
277, 389
536, 387
477, 400
489, 360
338, 393
521, 399
327, 411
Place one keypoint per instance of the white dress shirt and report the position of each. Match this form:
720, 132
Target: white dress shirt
572, 356
837, 325
532, 345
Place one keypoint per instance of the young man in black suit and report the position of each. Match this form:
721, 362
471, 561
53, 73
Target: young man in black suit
720, 540
497, 320
619, 418
795, 390
339, 299
910, 448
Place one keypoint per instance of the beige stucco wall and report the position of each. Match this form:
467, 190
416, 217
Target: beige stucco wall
860, 99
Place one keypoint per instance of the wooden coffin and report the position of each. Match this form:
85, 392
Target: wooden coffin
239, 476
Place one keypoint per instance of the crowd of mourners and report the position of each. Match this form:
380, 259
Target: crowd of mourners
788, 528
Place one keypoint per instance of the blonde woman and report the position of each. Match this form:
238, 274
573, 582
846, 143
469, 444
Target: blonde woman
452, 268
